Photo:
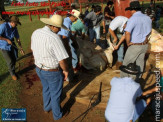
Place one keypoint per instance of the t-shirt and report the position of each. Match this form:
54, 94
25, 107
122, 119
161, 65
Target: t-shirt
118, 23
121, 104
78, 26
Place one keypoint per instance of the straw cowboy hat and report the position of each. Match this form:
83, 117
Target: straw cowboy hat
75, 13
55, 20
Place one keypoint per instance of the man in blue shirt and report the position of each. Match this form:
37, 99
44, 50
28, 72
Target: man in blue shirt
137, 30
8, 31
69, 42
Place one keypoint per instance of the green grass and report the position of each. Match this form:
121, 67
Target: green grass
9, 89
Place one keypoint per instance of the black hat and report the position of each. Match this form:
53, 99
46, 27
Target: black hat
131, 68
135, 5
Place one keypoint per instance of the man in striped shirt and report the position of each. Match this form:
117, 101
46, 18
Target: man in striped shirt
50, 60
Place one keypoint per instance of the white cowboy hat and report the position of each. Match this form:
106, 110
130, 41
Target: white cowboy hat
55, 20
75, 13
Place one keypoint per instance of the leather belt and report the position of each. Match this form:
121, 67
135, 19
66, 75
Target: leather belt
51, 70
143, 43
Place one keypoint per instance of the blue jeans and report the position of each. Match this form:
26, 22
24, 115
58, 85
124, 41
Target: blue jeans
120, 53
139, 108
94, 33
52, 83
74, 54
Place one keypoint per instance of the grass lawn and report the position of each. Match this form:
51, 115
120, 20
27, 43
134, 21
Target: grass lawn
9, 89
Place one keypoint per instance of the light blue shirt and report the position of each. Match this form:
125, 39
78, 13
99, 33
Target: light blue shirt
139, 25
68, 23
8, 32
121, 104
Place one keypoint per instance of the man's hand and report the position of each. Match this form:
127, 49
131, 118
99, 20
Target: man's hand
65, 73
22, 51
9, 42
130, 44
104, 30
116, 47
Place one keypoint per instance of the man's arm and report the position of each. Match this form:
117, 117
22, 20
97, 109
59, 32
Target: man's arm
120, 42
64, 67
128, 38
7, 40
113, 35
19, 43
103, 23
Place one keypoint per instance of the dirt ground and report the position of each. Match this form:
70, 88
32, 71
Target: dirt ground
78, 94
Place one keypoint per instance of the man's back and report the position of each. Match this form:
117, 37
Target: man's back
124, 92
47, 48
139, 25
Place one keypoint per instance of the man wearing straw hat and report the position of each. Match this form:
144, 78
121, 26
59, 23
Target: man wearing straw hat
50, 60
70, 43
8, 31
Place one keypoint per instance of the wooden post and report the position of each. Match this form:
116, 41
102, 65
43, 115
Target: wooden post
47, 12
50, 6
38, 14
80, 8
30, 18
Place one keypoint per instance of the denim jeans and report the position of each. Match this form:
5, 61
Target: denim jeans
94, 33
120, 52
74, 54
52, 83
139, 108
10, 57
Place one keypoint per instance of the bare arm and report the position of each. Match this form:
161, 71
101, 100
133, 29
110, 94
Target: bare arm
21, 49
103, 23
120, 42
128, 38
113, 35
7, 40
64, 67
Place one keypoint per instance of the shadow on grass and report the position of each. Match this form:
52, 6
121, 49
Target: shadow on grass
24, 56
4, 76
81, 85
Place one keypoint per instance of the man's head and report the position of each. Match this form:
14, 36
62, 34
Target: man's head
74, 15
14, 21
134, 6
131, 69
97, 9
109, 4
54, 23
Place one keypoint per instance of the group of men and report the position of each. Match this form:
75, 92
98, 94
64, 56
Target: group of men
54, 49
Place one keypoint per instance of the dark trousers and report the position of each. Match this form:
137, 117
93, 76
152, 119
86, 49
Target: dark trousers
10, 57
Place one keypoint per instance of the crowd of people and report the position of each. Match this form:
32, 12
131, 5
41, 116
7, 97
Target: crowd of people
55, 52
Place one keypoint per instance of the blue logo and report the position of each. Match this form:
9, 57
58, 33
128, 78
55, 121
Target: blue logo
15, 114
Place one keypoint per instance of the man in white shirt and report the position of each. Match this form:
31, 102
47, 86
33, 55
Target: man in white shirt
50, 60
116, 28
123, 105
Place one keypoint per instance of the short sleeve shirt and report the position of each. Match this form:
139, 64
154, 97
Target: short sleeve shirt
121, 104
8, 32
78, 26
67, 22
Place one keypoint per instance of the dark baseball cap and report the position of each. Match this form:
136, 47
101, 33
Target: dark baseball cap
134, 5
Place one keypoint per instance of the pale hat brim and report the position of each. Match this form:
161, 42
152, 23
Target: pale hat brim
49, 22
